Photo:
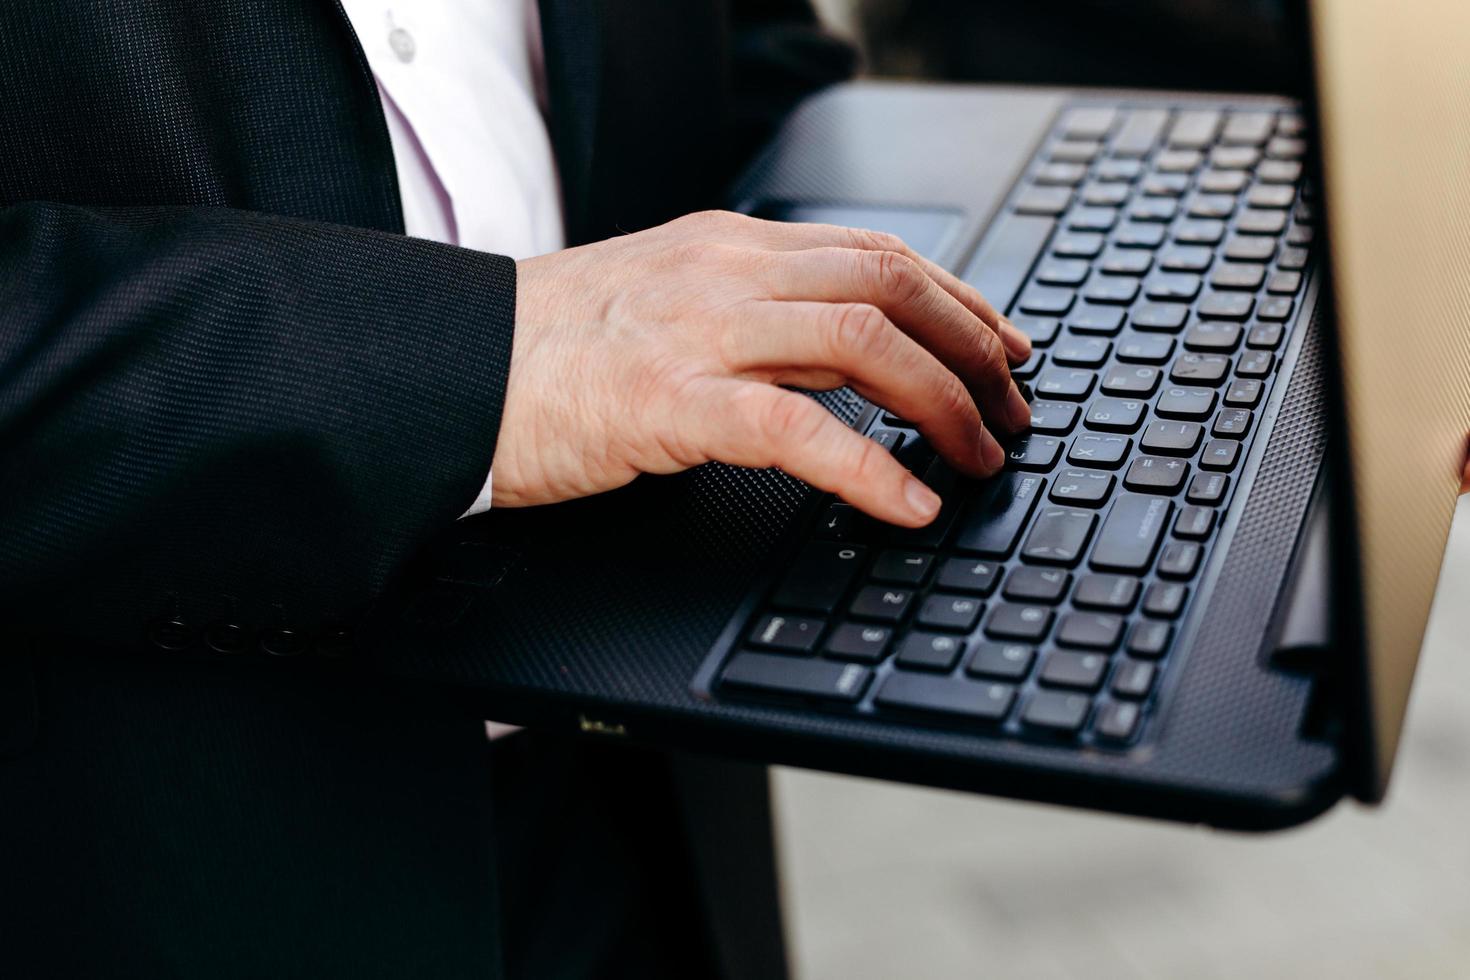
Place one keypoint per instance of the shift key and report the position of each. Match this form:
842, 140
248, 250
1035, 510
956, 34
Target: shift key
1131, 533
994, 522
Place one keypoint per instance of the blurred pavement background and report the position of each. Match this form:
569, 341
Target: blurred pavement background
886, 882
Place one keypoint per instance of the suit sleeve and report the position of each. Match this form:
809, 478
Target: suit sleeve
781, 54
223, 416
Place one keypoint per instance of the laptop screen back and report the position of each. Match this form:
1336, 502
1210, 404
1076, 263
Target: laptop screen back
1393, 86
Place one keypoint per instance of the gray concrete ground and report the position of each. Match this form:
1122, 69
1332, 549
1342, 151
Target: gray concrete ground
886, 882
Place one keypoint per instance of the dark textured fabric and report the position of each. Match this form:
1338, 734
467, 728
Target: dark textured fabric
232, 392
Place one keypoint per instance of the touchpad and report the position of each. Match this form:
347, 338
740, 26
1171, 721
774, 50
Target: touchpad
926, 231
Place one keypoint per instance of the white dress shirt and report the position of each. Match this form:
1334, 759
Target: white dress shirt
464, 92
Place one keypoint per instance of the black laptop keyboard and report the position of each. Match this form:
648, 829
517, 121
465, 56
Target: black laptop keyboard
1157, 259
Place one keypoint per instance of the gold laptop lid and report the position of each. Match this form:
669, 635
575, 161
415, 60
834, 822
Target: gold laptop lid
1393, 83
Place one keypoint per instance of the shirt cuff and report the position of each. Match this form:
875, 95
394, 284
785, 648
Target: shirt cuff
482, 502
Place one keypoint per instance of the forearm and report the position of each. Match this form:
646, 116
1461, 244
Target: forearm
228, 416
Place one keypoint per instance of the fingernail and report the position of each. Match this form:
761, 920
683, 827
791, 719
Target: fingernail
1016, 341
922, 501
1017, 411
991, 454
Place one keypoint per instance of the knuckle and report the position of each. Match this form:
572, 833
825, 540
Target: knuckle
898, 275
878, 241
869, 462
953, 400
858, 330
787, 421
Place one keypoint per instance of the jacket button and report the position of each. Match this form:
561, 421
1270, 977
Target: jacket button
227, 638
283, 642
171, 633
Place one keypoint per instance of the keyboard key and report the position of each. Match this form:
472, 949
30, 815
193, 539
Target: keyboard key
1134, 679
952, 698
1079, 671
840, 522
1116, 414
1286, 148
1094, 450
1222, 181
1116, 593
1126, 262
950, 612
1213, 336
1033, 452
1149, 638
1232, 423
1200, 231
1125, 381
1066, 384
1192, 404
1194, 128
1159, 316
1165, 438
819, 576
1234, 157
1140, 132
1153, 209
1074, 151
1139, 234
796, 677
1060, 173
1046, 585
1046, 300
1220, 455
1016, 622
1250, 248
1082, 488
1092, 219
858, 641
1165, 185
1248, 128
1179, 559
1265, 335
1179, 286
1164, 599
794, 634
1271, 196
1185, 258
1043, 201
1178, 161
1275, 308
1226, 306
1094, 631
1053, 418
1154, 474
1212, 205
1111, 289
1280, 171
1090, 318
1041, 330
1104, 195
1244, 393
1255, 364
1120, 171
1059, 536
1284, 283
1062, 272
967, 575
1255, 221
1011, 661
1199, 369
1208, 488
1086, 352
902, 567
1027, 370
1055, 711
1118, 720
1145, 349
1238, 275
881, 603
1194, 522
1131, 533
929, 651
1077, 244
994, 521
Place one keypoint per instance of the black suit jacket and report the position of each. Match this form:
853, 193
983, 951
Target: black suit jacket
234, 399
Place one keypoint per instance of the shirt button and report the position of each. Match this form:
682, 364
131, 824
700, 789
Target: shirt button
402, 44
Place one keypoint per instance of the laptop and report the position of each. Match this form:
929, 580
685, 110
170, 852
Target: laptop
1199, 588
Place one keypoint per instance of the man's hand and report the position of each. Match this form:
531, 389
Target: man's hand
665, 349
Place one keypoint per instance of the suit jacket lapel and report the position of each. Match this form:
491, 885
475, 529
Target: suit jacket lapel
572, 34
